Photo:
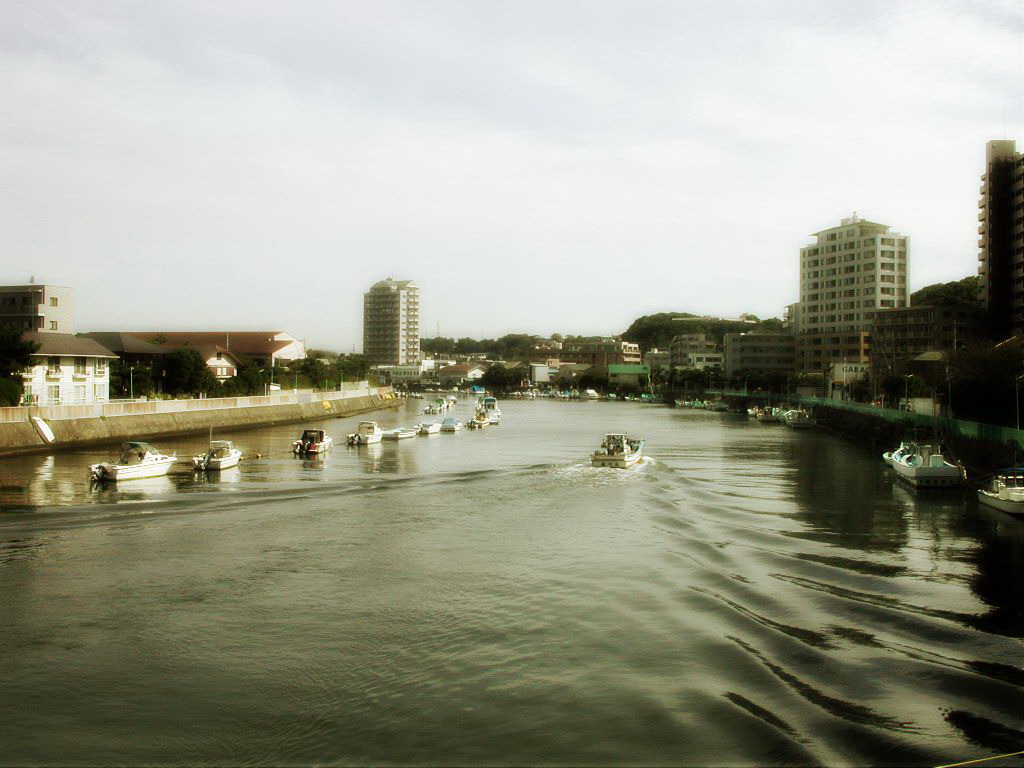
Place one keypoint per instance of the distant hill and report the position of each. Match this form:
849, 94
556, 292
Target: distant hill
958, 292
650, 331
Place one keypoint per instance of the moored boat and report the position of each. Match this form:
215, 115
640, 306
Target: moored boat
899, 453
222, 454
797, 419
491, 409
366, 433
925, 467
430, 429
312, 443
451, 424
619, 451
400, 433
137, 460
1005, 491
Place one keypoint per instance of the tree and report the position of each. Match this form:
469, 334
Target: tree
498, 377
130, 380
15, 353
185, 373
353, 367
958, 292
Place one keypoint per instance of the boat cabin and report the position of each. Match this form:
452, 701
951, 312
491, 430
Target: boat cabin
313, 436
135, 452
220, 449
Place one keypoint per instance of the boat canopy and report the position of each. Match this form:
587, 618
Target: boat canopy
313, 434
215, 444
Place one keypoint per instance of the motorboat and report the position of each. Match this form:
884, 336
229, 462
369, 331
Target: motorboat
481, 418
451, 424
221, 455
136, 460
1005, 491
429, 429
925, 467
619, 451
312, 442
400, 433
769, 416
366, 433
491, 409
590, 394
797, 419
893, 456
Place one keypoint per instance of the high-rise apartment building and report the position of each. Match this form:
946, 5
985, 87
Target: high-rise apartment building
48, 308
1001, 238
391, 322
846, 276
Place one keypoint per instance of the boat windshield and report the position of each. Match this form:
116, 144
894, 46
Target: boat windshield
133, 453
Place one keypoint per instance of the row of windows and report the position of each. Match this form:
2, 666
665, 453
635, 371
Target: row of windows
81, 364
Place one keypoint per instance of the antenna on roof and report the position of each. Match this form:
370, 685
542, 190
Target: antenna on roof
32, 279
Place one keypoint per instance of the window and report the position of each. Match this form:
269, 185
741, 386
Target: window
53, 394
101, 366
53, 365
53, 325
80, 393
79, 366
53, 301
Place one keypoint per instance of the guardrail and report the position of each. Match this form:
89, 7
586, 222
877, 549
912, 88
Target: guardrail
973, 430
137, 408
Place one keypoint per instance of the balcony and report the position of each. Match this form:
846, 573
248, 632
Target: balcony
53, 373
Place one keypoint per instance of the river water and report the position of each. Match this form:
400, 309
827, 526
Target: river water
750, 595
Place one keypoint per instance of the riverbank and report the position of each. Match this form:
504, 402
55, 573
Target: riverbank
77, 426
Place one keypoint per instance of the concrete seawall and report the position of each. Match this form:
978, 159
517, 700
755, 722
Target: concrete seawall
20, 436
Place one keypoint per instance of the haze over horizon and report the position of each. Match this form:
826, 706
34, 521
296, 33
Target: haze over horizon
534, 167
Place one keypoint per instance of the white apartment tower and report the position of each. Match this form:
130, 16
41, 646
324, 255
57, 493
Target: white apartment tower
848, 274
391, 322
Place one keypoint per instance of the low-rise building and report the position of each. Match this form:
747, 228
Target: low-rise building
45, 308
601, 352
66, 369
658, 358
759, 351
687, 348
453, 375
904, 333
628, 375
815, 352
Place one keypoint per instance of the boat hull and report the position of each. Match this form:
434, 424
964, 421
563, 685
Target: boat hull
615, 461
116, 472
216, 465
1010, 506
929, 477
314, 449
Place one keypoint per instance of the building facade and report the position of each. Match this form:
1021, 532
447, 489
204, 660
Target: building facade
694, 350
848, 274
1001, 238
601, 352
391, 322
45, 308
66, 370
903, 333
759, 352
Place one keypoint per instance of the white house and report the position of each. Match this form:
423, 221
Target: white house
66, 369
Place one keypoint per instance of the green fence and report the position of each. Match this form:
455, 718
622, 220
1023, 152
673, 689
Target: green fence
972, 430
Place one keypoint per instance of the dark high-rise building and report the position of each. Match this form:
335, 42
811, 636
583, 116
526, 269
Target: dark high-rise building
1001, 238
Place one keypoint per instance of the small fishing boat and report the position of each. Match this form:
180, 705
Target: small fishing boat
136, 460
769, 416
491, 409
312, 442
430, 429
925, 467
451, 424
590, 394
480, 418
366, 433
1005, 491
221, 455
797, 419
400, 433
619, 451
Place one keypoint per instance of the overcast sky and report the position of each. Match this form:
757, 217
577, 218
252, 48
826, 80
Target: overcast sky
534, 166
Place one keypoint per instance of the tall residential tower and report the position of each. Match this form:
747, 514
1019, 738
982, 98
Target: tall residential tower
1001, 238
846, 275
391, 322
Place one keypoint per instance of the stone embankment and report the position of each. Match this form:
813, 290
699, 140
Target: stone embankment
76, 426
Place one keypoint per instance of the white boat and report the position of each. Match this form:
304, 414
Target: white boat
797, 419
400, 433
899, 453
619, 451
491, 409
451, 424
430, 429
312, 442
769, 416
591, 394
1005, 492
136, 460
925, 467
366, 433
221, 455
